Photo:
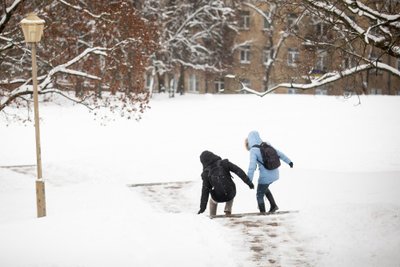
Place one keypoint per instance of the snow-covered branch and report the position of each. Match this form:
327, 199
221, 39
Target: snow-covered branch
8, 13
191, 35
388, 24
326, 78
203, 67
360, 8
240, 45
46, 80
185, 23
113, 30
79, 8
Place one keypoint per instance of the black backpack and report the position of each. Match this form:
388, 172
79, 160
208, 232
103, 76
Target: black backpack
269, 156
223, 188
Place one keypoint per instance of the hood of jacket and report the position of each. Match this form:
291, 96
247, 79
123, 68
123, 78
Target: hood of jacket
253, 139
207, 158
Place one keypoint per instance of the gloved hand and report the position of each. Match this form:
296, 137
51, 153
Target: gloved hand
291, 164
251, 185
200, 211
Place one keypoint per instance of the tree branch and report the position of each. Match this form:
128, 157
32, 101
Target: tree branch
5, 18
378, 41
12, 97
325, 79
97, 16
46, 80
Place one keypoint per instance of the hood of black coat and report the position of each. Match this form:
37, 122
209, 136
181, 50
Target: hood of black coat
207, 158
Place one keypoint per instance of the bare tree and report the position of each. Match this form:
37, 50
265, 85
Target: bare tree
88, 47
191, 35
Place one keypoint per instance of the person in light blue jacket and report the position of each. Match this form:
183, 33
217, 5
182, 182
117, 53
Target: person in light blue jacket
266, 177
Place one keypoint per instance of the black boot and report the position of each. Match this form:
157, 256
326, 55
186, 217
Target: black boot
261, 207
271, 200
273, 209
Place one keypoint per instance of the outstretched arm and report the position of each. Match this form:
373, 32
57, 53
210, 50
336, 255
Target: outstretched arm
205, 191
284, 158
239, 172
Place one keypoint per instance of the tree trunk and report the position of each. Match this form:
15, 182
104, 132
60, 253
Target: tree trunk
181, 81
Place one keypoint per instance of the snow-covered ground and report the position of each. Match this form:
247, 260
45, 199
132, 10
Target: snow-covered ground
345, 183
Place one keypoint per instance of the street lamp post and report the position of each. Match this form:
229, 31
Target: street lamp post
32, 27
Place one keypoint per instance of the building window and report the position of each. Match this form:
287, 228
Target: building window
219, 85
244, 22
266, 55
321, 91
245, 54
320, 28
293, 57
375, 91
292, 91
148, 80
267, 22
193, 83
321, 60
291, 22
347, 63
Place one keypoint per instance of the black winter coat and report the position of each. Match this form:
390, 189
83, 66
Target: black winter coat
210, 161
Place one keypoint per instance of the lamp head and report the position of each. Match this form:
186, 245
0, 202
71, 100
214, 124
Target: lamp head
32, 27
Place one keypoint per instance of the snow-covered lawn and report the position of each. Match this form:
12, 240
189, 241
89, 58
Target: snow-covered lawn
345, 183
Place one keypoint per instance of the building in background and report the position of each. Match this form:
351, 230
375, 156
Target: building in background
276, 45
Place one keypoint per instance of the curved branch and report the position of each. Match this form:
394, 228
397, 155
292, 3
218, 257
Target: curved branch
326, 79
367, 37
43, 92
100, 16
62, 68
46, 80
61, 93
10, 99
8, 12
373, 14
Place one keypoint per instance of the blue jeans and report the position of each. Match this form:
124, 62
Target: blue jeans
263, 190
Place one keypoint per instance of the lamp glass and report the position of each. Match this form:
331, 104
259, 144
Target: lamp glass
32, 27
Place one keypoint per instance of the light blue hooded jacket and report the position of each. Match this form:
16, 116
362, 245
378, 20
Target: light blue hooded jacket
266, 176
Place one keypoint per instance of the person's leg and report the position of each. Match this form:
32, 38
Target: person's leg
271, 200
228, 207
260, 196
213, 207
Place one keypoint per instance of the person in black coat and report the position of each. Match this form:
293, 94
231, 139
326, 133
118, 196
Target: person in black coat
217, 181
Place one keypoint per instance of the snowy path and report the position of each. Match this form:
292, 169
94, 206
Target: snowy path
271, 239
262, 240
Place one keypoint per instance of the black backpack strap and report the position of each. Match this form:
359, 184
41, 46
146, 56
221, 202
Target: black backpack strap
259, 146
